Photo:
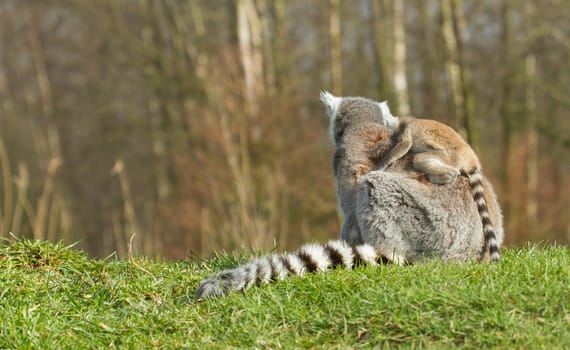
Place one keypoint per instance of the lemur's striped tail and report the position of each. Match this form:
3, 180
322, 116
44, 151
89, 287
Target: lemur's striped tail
309, 258
475, 181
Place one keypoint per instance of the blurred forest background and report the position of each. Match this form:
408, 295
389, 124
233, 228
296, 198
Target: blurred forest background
197, 125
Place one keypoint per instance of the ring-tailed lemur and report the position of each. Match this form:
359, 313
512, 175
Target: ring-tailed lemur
442, 154
389, 228
356, 124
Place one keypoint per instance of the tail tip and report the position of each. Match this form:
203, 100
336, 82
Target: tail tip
212, 287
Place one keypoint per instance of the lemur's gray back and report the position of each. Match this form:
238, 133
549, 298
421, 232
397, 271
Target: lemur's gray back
418, 221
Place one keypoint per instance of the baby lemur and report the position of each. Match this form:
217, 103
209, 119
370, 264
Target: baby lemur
440, 152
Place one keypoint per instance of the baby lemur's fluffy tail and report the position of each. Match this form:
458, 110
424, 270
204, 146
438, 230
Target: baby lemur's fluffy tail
475, 181
309, 258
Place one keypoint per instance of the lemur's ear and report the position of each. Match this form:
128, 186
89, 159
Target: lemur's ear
385, 109
331, 102
389, 119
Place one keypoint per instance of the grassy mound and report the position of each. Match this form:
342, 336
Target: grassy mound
52, 296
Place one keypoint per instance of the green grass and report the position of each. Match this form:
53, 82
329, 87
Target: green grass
54, 297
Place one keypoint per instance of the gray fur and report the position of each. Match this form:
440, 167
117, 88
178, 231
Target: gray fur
413, 221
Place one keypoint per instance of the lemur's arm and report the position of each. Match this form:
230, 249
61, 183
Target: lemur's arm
403, 146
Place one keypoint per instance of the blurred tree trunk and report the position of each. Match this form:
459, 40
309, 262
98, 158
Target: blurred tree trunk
282, 67
399, 67
161, 110
6, 190
532, 145
7, 109
250, 44
466, 107
531, 135
267, 48
335, 48
52, 152
379, 55
452, 66
7, 105
506, 114
238, 155
156, 38
432, 93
